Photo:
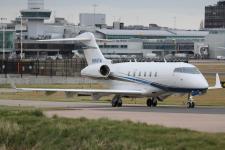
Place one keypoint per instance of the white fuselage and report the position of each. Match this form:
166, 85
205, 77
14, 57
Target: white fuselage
153, 78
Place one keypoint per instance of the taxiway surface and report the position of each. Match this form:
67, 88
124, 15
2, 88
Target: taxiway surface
206, 119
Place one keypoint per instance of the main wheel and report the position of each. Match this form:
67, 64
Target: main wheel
193, 105
149, 102
154, 103
119, 103
114, 102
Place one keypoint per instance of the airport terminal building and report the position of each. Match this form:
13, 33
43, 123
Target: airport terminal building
34, 24
123, 42
142, 42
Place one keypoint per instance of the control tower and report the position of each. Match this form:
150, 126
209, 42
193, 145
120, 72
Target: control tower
35, 15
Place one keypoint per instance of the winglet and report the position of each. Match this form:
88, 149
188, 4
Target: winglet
218, 83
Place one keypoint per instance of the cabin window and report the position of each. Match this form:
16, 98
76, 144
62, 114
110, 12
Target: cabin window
156, 74
139, 74
150, 74
134, 74
128, 73
145, 74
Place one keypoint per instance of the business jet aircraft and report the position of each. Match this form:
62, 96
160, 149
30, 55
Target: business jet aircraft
152, 80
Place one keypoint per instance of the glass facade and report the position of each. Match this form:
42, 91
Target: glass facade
169, 46
36, 14
123, 37
9, 40
159, 46
133, 37
113, 46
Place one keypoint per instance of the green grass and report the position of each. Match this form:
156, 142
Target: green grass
211, 67
2, 86
30, 129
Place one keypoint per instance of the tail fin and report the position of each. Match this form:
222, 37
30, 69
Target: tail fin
92, 52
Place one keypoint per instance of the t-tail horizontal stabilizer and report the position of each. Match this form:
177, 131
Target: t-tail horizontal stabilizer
91, 52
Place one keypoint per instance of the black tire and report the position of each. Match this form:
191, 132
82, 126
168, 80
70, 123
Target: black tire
189, 105
154, 103
114, 103
193, 105
119, 103
149, 102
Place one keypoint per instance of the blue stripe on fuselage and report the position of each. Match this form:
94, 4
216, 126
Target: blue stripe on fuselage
160, 86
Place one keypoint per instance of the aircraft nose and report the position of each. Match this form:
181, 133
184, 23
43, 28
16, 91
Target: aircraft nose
201, 87
199, 82
204, 84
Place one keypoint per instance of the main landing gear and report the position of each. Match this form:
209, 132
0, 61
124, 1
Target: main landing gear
190, 102
152, 102
117, 101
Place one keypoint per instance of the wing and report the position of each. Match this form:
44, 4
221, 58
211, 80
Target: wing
85, 91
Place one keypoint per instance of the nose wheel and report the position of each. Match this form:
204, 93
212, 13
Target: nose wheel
190, 102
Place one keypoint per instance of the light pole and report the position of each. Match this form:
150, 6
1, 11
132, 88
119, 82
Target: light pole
21, 37
94, 6
3, 43
3, 38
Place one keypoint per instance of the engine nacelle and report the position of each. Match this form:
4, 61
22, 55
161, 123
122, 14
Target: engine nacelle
104, 70
96, 71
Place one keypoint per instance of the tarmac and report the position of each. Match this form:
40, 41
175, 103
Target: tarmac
205, 119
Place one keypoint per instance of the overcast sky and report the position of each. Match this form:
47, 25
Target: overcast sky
188, 13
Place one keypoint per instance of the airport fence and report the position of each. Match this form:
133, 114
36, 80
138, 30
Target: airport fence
66, 67
58, 67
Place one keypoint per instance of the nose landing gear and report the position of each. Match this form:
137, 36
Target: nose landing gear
190, 102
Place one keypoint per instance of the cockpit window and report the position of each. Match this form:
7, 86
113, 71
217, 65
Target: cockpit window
189, 70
